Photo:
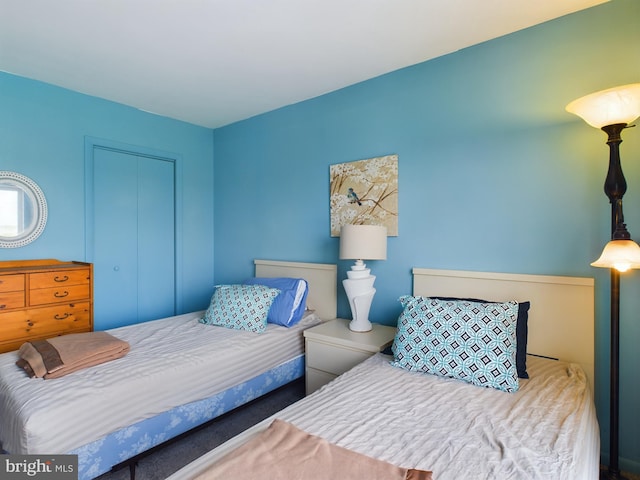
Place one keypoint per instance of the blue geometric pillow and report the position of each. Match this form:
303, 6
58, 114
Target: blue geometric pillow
242, 307
522, 332
470, 341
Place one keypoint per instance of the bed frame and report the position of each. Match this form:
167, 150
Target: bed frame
561, 317
322, 280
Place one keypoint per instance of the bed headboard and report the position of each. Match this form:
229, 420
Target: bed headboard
561, 317
321, 277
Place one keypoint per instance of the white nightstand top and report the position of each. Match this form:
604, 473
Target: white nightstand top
337, 332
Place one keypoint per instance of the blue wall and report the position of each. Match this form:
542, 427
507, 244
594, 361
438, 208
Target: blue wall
42, 136
493, 173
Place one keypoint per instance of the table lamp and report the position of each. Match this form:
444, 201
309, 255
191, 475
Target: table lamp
361, 242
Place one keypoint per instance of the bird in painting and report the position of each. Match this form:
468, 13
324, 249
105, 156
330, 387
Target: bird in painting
353, 197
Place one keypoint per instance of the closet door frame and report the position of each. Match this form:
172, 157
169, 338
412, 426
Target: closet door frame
93, 143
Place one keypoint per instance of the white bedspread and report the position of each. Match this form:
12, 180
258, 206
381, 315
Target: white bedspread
545, 431
172, 361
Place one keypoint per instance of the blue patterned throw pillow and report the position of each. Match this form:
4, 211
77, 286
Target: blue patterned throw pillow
243, 307
470, 341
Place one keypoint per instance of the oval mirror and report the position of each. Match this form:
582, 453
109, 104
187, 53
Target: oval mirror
23, 210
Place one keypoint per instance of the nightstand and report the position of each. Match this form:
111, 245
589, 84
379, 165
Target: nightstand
331, 349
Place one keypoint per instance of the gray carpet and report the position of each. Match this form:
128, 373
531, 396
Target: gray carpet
162, 463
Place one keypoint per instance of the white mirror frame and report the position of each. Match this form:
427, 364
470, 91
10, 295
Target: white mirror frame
33, 224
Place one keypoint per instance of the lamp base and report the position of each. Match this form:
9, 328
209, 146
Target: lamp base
360, 292
608, 474
360, 325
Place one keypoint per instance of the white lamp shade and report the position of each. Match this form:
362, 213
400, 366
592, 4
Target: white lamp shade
608, 107
363, 242
622, 255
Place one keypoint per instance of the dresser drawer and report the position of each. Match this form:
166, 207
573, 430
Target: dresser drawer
333, 359
62, 293
11, 283
58, 278
9, 300
14, 325
38, 323
314, 379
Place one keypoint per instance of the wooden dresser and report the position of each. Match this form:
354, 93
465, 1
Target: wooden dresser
44, 298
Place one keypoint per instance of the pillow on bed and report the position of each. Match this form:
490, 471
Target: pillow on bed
288, 307
470, 341
243, 307
522, 332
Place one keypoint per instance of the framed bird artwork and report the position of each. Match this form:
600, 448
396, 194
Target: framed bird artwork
365, 192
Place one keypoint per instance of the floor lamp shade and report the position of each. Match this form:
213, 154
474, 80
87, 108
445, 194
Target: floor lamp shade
622, 255
608, 107
361, 242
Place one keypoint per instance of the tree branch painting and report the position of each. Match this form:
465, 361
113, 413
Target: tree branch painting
365, 192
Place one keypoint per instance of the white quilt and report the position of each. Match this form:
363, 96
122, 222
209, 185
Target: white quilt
172, 361
546, 431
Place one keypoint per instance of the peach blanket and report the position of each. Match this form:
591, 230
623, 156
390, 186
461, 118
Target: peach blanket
59, 356
284, 452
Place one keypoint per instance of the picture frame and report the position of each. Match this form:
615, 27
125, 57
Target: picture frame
365, 192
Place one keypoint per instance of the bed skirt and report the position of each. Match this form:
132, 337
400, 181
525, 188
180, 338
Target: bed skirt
100, 456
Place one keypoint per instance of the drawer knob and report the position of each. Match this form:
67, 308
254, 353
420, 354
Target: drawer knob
61, 295
3, 306
61, 317
30, 324
61, 279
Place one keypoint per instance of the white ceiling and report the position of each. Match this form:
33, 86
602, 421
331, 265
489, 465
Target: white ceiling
213, 62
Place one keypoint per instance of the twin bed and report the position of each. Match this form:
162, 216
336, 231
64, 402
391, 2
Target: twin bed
178, 374
547, 429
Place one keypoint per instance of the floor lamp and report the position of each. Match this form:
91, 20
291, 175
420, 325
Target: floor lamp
612, 111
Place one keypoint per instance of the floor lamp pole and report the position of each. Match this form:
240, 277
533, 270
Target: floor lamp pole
615, 187
614, 383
